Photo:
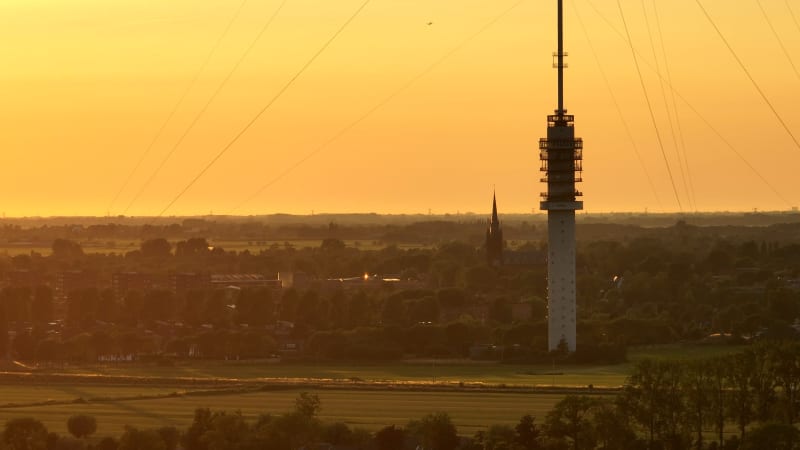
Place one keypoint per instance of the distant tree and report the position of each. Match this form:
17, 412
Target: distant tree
361, 310
394, 311
451, 297
159, 304
288, 305
132, 305
53, 440
82, 306
102, 343
200, 424
572, 418
772, 436
740, 406
307, 311
25, 433
81, 425
498, 437
227, 431
643, 395
292, 430
762, 381
698, 386
332, 245
613, 427
156, 248
337, 433
3, 333
307, 404
528, 433
192, 247
69, 443
425, 309
480, 278
255, 307
49, 349
500, 311
436, 431
107, 443
42, 305
24, 346
786, 370
390, 438
66, 249
136, 439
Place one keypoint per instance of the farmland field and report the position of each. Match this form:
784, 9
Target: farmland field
429, 371
363, 395
369, 409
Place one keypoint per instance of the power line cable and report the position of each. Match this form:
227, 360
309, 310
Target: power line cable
682, 148
265, 108
750, 77
778, 38
205, 107
177, 104
616, 105
650, 108
794, 18
378, 106
697, 113
664, 99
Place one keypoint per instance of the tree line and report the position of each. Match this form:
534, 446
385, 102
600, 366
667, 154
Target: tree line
741, 401
636, 286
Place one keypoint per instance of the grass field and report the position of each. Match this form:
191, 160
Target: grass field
420, 370
146, 403
416, 372
358, 408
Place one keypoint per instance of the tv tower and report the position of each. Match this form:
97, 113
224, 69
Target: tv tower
561, 155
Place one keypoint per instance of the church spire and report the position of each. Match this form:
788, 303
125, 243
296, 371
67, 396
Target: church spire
495, 220
494, 237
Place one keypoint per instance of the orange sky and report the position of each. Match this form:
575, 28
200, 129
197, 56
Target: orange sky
86, 84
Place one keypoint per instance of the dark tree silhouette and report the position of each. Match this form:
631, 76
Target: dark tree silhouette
436, 431
25, 433
390, 438
81, 425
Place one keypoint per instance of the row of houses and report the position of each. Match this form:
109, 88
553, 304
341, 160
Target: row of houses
180, 283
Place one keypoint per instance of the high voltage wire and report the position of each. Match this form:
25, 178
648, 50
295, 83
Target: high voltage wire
778, 38
265, 108
794, 18
378, 106
616, 105
650, 108
750, 77
674, 106
664, 98
736, 152
206, 106
697, 113
177, 104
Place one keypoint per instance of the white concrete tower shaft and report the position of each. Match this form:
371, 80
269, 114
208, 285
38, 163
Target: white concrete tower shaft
561, 156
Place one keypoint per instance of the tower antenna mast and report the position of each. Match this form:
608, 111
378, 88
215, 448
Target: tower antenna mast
560, 56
